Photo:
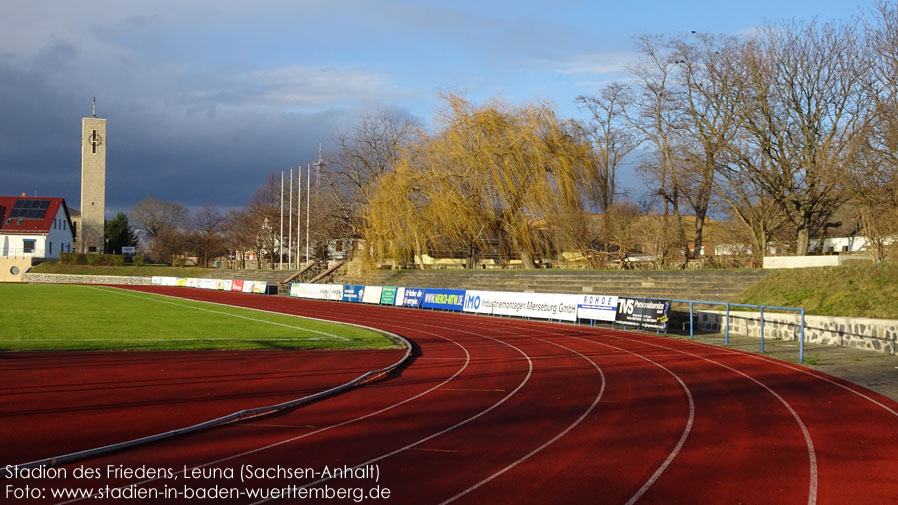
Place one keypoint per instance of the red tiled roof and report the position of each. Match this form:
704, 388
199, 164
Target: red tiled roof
41, 226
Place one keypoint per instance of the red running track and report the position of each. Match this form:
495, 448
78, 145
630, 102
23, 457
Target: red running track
510, 411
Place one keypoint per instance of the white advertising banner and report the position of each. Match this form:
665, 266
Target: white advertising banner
480, 302
164, 281
372, 294
301, 290
207, 283
597, 307
534, 305
330, 292
317, 291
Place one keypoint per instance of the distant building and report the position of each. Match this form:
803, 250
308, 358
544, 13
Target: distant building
35, 227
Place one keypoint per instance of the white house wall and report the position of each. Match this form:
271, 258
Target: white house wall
60, 237
13, 244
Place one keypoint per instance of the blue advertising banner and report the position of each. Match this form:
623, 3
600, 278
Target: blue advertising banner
446, 299
352, 293
409, 297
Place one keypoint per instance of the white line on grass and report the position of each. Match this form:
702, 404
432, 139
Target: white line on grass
153, 299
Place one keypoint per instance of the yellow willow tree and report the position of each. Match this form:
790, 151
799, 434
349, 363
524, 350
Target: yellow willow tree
493, 177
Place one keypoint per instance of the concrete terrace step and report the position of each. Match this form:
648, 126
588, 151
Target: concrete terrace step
710, 285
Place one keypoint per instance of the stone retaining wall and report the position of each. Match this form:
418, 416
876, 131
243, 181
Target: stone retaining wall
879, 335
86, 279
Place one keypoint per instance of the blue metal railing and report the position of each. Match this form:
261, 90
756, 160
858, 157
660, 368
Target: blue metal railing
727, 327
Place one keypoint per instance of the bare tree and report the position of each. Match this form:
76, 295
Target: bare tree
872, 175
159, 221
802, 103
623, 228
363, 156
207, 232
707, 125
239, 235
263, 215
611, 141
656, 116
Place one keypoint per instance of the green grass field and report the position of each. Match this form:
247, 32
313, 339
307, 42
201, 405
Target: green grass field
60, 317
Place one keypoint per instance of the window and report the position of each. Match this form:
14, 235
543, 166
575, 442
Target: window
28, 246
50, 246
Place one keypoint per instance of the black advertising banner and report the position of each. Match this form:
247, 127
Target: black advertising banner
643, 312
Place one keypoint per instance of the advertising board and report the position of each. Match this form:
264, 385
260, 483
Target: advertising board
301, 290
643, 312
330, 292
478, 302
445, 299
388, 296
597, 307
353, 293
372, 294
409, 297
533, 305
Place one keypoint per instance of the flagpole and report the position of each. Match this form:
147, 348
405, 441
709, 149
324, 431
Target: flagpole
281, 241
298, 217
308, 204
290, 226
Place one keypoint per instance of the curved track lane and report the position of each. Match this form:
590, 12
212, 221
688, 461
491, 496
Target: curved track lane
511, 411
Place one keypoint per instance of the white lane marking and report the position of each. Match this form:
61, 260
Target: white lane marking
154, 299
551, 440
812, 453
683, 436
320, 430
445, 430
812, 373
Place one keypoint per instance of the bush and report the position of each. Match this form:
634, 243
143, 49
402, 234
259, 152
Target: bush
67, 258
96, 259
139, 260
73, 258
115, 260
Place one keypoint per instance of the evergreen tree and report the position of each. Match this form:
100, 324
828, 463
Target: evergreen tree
119, 234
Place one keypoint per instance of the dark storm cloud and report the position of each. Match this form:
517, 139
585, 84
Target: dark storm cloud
193, 136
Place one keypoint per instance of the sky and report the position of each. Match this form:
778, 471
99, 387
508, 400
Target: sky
204, 99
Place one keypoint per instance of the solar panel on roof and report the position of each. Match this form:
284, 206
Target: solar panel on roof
29, 208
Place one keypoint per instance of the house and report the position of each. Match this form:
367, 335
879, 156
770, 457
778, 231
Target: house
35, 227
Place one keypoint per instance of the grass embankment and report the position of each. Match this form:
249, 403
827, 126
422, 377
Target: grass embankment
54, 267
61, 317
863, 290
